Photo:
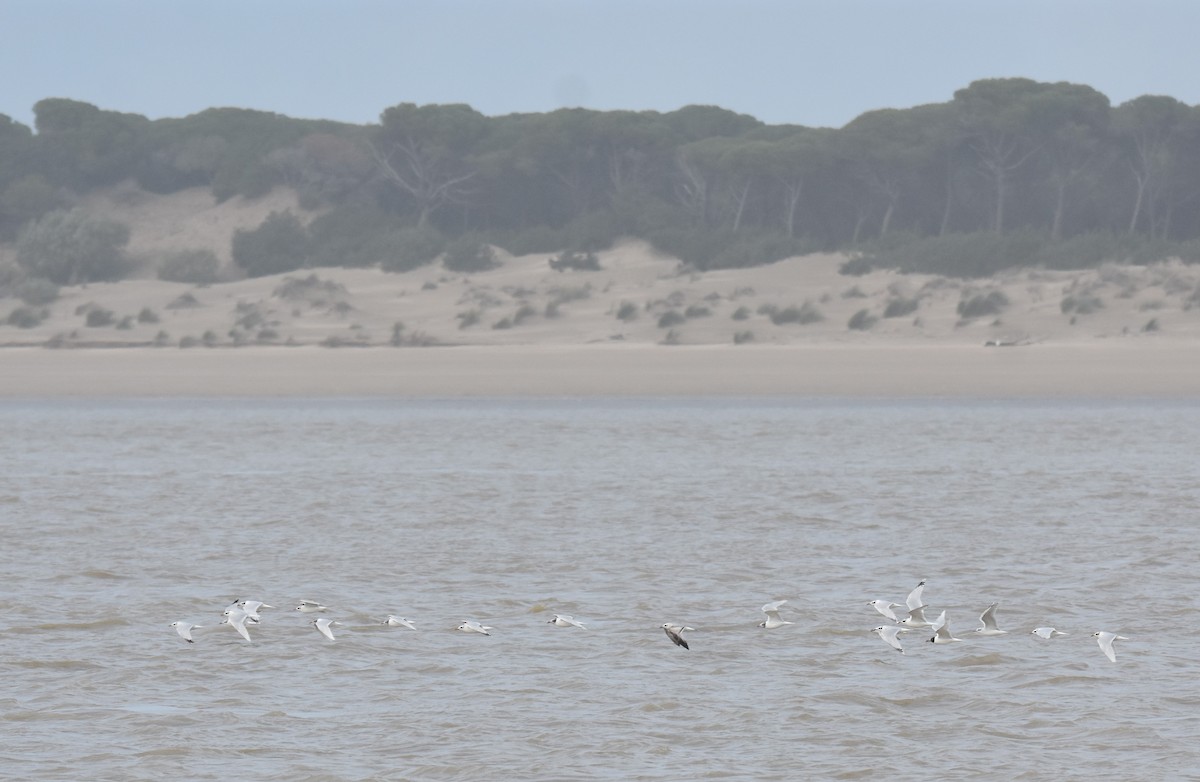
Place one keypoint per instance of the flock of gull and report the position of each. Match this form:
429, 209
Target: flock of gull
242, 614
914, 609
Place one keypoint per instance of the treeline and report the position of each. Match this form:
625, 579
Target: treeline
1009, 172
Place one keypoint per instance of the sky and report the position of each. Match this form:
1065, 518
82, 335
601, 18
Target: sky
805, 62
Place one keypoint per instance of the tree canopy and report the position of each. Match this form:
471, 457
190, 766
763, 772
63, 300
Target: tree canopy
1049, 162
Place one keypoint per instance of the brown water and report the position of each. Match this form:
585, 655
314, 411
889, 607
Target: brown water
121, 517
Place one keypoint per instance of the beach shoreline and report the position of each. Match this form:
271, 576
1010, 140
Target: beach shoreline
1098, 369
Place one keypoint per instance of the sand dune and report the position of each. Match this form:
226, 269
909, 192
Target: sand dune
790, 327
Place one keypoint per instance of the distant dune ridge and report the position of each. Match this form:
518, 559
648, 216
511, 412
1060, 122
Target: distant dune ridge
638, 299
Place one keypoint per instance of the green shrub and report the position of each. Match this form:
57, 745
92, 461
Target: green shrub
469, 254
982, 304
409, 248
524, 312
147, 315
1082, 304
72, 248
98, 316
535, 239
627, 311
311, 289
862, 320
36, 291
953, 255
26, 317
184, 301
697, 311
898, 307
804, 314
671, 318
575, 261
742, 337
354, 235
196, 267
468, 318
741, 313
280, 244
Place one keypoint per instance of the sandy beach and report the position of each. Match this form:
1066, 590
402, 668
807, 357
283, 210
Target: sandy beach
1081, 370
643, 324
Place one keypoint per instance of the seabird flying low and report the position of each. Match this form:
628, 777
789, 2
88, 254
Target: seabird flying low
988, 617
889, 634
674, 632
941, 631
185, 630
1105, 639
323, 625
772, 612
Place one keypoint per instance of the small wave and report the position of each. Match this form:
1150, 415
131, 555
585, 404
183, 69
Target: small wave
103, 574
57, 665
97, 624
992, 658
165, 752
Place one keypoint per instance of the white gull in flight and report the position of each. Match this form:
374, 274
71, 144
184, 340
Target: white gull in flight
772, 611
323, 625
1105, 639
675, 633
889, 634
185, 630
988, 617
941, 631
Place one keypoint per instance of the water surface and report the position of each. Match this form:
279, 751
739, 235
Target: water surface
123, 516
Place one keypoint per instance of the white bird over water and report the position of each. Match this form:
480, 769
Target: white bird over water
941, 631
884, 607
1105, 639
915, 603
889, 634
772, 612
323, 624
251, 607
469, 626
185, 630
237, 620
566, 620
310, 607
916, 598
916, 618
1046, 632
988, 617
398, 621
674, 632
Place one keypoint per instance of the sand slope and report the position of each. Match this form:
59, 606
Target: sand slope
1132, 315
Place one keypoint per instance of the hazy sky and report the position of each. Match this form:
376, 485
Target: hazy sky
809, 62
